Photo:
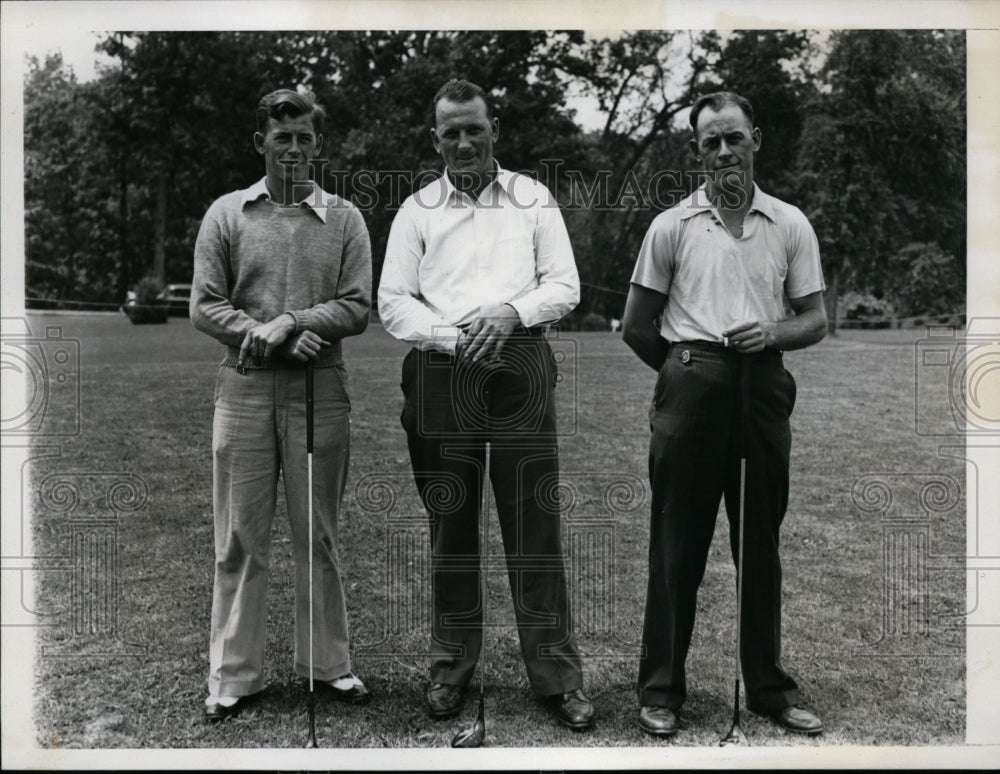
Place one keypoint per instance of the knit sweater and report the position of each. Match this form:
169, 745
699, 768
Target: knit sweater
255, 260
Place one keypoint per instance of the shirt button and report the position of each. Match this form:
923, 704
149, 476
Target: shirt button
685, 356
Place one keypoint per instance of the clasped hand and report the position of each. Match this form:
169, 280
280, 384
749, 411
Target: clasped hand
487, 334
276, 338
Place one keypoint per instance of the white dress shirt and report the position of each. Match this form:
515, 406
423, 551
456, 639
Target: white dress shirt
450, 256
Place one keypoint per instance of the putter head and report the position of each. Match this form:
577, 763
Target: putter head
735, 737
311, 742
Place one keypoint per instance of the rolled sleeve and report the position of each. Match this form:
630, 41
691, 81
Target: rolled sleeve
401, 308
558, 290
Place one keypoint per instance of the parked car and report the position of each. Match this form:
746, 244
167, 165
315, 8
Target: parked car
178, 296
153, 302
138, 313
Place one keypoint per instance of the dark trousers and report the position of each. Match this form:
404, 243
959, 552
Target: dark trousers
449, 414
694, 460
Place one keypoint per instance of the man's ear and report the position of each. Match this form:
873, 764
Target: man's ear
434, 140
496, 129
258, 142
694, 150
319, 143
756, 138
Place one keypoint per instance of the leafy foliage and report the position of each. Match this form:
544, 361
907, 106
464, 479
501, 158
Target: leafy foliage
871, 145
148, 290
930, 287
881, 159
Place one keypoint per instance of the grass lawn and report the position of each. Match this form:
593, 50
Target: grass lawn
871, 615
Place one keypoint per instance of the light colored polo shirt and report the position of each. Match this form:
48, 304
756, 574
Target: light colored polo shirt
714, 280
449, 256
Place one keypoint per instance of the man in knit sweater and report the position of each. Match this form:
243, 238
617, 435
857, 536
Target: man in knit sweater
282, 273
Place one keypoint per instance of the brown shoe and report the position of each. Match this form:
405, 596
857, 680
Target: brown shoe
798, 720
574, 710
658, 721
443, 700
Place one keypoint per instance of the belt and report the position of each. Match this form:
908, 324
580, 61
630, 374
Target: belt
537, 330
720, 349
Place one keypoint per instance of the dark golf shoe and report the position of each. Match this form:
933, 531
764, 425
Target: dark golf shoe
658, 721
443, 701
346, 688
574, 710
797, 719
216, 711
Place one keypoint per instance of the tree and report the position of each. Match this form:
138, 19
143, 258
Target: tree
882, 155
181, 118
641, 80
66, 232
169, 128
771, 68
120, 171
50, 179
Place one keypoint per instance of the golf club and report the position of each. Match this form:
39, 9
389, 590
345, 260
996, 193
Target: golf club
736, 735
311, 743
475, 735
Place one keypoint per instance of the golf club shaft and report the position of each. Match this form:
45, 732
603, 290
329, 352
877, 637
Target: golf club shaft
739, 566
475, 735
309, 530
483, 551
744, 433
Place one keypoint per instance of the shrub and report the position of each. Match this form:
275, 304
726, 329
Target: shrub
149, 306
148, 291
929, 283
592, 321
863, 308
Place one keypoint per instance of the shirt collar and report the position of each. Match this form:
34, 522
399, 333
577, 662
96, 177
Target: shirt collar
315, 201
503, 179
698, 202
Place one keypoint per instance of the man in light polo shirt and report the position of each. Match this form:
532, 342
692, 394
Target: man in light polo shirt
714, 278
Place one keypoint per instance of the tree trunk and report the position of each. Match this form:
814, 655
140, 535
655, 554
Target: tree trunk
160, 236
123, 213
832, 292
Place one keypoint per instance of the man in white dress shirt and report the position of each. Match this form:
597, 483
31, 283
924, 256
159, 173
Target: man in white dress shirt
477, 263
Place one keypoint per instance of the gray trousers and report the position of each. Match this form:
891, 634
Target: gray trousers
259, 432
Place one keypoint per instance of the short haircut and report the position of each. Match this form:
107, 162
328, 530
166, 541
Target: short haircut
291, 104
718, 100
457, 90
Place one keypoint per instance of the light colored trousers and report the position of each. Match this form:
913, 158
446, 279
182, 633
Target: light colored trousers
260, 430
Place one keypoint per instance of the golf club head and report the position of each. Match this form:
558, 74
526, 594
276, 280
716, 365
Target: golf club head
474, 735
735, 737
311, 742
